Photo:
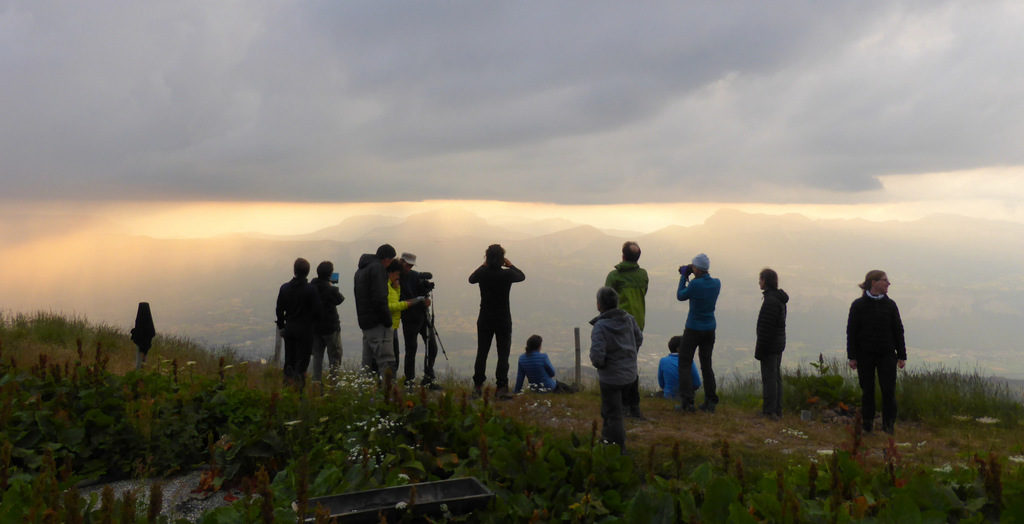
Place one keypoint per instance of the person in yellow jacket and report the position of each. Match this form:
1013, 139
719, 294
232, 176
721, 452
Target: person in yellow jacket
395, 305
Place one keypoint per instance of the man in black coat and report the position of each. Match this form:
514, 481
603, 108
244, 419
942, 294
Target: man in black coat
371, 291
327, 332
298, 308
495, 278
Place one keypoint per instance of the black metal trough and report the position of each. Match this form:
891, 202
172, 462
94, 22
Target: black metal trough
458, 496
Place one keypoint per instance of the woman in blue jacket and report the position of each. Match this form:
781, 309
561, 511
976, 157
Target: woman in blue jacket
535, 367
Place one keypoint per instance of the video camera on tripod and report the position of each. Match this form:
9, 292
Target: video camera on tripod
426, 286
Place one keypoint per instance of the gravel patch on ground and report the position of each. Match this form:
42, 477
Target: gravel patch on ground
179, 502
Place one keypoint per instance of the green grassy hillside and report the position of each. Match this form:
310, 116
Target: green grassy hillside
74, 409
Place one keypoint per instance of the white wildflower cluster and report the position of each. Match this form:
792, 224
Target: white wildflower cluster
539, 403
961, 418
379, 425
1019, 459
794, 433
826, 452
770, 441
355, 453
352, 381
922, 444
401, 505
945, 468
902, 444
403, 477
987, 420
365, 430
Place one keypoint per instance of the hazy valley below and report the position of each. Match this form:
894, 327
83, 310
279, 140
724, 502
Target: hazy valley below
959, 282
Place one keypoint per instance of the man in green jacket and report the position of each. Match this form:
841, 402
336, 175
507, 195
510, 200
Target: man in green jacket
629, 280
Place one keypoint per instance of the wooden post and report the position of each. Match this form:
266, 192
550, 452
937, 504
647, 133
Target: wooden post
576, 331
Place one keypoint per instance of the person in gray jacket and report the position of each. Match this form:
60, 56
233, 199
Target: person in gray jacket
614, 341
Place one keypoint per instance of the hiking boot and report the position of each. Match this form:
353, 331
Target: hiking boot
478, 391
635, 413
687, 408
708, 407
503, 393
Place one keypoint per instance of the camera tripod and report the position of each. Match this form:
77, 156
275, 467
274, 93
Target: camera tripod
432, 335
432, 341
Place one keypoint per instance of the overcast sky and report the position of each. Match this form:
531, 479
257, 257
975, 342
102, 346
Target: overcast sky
566, 102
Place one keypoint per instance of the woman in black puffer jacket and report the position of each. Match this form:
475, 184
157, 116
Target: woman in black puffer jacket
874, 343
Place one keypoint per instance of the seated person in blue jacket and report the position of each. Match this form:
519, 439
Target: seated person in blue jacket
668, 369
537, 369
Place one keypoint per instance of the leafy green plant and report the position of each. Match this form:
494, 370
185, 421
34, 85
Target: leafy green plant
825, 387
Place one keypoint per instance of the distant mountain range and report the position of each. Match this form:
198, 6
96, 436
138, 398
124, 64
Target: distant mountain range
959, 282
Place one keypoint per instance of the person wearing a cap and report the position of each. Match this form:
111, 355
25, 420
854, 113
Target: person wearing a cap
699, 334
415, 324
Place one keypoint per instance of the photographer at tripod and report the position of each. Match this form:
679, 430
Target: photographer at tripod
416, 322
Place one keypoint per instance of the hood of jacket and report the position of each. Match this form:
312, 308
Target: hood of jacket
366, 259
779, 295
627, 266
616, 318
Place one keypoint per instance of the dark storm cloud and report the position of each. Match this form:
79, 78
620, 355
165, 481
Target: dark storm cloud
555, 101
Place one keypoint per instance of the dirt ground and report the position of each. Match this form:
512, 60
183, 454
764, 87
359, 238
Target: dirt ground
761, 441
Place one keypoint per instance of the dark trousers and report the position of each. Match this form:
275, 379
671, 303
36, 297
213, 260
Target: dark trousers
613, 427
631, 398
412, 329
331, 344
885, 366
502, 333
297, 351
703, 343
771, 384
394, 344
